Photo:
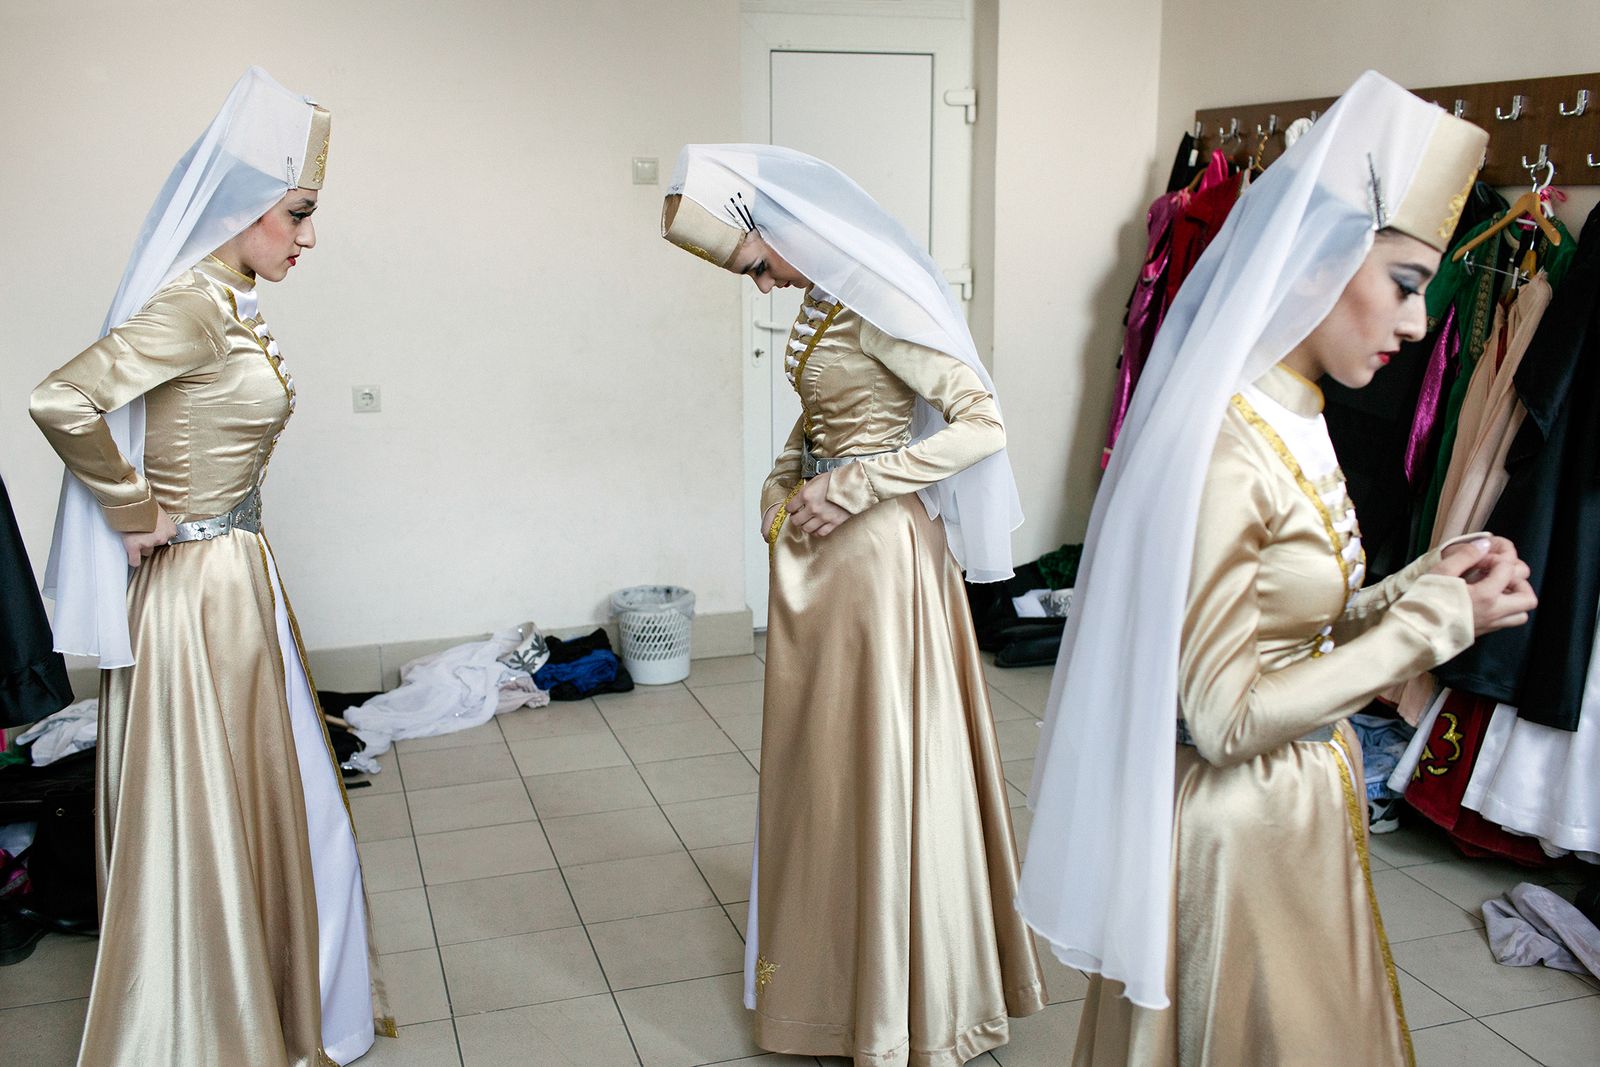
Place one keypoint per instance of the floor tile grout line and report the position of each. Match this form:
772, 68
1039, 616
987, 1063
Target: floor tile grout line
561, 870
675, 833
427, 900
729, 736
632, 763
1435, 992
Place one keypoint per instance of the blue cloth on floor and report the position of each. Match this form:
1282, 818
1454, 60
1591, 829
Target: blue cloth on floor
1383, 742
587, 673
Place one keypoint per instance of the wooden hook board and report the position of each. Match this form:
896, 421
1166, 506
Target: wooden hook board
1572, 141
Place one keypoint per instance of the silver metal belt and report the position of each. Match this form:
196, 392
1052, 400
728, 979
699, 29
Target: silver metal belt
812, 465
1322, 734
245, 515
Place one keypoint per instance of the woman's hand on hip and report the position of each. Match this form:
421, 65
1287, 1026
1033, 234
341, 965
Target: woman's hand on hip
813, 511
1497, 582
140, 545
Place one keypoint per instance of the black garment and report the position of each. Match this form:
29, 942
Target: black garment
1550, 509
1186, 163
1371, 429
33, 678
577, 648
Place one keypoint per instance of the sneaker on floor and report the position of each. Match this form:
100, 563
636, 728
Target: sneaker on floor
1383, 815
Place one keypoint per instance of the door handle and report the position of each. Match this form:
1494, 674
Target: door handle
767, 324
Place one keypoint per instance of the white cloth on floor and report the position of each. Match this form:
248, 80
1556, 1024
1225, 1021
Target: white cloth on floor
74, 728
1531, 925
453, 690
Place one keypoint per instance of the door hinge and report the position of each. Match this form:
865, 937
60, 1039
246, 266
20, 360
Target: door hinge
965, 98
961, 277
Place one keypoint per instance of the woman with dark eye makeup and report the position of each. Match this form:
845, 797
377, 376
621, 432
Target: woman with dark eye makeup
233, 922
1199, 842
881, 925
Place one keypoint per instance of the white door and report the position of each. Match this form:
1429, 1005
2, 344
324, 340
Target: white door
867, 96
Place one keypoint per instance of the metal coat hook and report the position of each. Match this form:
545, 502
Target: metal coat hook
1518, 102
1231, 133
1270, 129
1199, 129
1577, 109
1589, 159
1315, 115
1460, 109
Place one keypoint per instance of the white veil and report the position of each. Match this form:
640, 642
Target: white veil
836, 235
248, 158
1096, 878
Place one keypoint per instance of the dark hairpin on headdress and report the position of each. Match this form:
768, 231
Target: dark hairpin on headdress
1380, 210
741, 212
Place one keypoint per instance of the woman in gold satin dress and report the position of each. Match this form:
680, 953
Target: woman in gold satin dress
1272, 947
233, 921
881, 921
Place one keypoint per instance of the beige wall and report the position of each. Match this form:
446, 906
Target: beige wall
559, 416
559, 413
1076, 137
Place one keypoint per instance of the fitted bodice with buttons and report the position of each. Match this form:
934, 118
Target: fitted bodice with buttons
216, 397
858, 389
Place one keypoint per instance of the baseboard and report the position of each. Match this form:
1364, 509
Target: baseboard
370, 668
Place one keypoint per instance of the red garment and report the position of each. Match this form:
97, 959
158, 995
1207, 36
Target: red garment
1199, 223
1144, 309
1440, 781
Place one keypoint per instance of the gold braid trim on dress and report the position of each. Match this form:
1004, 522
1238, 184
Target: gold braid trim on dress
1264, 428
1358, 830
805, 417
1321, 644
778, 519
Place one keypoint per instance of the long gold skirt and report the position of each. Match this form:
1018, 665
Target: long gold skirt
1277, 954
209, 926
887, 865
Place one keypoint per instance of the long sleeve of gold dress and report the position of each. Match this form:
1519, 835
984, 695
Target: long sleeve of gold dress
233, 921
1277, 948
886, 866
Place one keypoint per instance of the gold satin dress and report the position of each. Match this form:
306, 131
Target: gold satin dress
209, 938
1277, 952
886, 865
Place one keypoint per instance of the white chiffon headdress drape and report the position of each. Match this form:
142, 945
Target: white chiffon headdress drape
247, 159
837, 236
1096, 877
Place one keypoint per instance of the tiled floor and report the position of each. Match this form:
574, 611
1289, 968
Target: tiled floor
567, 886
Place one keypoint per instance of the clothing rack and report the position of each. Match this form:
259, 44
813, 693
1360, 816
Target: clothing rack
1533, 124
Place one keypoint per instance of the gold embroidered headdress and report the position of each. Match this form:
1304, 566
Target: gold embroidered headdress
1438, 192
314, 165
694, 229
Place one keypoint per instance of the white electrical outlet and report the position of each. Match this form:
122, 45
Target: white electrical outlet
365, 399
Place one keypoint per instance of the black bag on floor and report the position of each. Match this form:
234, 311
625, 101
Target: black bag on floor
60, 862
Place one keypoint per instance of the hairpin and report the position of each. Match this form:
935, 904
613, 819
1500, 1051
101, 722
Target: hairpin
1380, 211
741, 212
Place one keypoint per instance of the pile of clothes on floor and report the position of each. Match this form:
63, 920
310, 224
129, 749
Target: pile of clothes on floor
470, 684
1021, 619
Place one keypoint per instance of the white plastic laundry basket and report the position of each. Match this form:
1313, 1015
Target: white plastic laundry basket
654, 621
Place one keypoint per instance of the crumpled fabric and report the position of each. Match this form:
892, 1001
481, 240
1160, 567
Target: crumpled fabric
1383, 742
586, 673
74, 728
1532, 925
448, 691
